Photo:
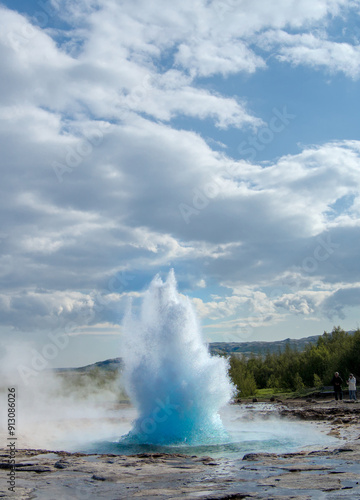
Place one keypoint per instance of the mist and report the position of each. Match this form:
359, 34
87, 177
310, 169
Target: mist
56, 410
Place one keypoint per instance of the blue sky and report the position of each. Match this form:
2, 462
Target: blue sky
219, 138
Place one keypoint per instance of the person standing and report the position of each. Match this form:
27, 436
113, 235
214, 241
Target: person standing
352, 387
336, 382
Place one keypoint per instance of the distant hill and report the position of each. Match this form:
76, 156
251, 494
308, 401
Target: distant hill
108, 364
248, 348
216, 348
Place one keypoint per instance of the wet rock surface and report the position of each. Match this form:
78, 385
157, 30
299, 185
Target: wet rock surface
311, 474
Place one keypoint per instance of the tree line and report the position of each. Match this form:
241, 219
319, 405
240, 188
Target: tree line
291, 370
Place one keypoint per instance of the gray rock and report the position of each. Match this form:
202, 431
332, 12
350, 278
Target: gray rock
98, 478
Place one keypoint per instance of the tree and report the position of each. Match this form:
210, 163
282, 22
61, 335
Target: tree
242, 377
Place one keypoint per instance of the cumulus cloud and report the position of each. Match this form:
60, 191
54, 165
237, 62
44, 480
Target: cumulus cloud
47, 309
255, 228
206, 58
314, 51
94, 81
345, 297
304, 303
101, 182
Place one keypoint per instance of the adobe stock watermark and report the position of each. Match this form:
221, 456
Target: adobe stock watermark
202, 196
7, 258
59, 339
265, 135
323, 250
321, 253
243, 332
161, 413
238, 333
145, 428
20, 38
224, 7
118, 283
74, 156
310, 264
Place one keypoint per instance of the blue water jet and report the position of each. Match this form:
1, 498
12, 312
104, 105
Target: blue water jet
174, 383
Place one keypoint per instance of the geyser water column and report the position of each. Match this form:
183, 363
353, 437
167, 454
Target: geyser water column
174, 383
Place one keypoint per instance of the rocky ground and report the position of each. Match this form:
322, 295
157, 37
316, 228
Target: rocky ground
313, 474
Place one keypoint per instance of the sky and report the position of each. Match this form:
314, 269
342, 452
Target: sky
217, 138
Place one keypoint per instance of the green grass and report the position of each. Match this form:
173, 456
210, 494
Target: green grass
265, 392
281, 394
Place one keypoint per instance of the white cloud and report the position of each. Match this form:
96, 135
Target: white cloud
314, 51
201, 283
256, 229
102, 102
34, 309
303, 302
106, 77
209, 57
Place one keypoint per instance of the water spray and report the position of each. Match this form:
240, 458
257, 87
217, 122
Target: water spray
174, 383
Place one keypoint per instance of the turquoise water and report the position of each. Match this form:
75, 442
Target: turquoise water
177, 390
172, 380
246, 429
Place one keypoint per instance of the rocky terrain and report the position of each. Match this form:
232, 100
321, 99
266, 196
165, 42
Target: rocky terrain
312, 474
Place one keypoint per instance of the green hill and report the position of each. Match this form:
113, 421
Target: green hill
248, 348
216, 348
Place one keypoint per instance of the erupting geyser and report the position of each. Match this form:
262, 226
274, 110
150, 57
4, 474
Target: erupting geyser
173, 382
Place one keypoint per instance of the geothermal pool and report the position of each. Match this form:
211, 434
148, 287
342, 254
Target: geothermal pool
248, 429
180, 397
172, 380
